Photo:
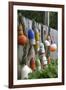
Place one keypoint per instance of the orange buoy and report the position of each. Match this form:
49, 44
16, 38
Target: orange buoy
32, 64
53, 47
22, 39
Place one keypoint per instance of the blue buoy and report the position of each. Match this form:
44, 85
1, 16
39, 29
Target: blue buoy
31, 34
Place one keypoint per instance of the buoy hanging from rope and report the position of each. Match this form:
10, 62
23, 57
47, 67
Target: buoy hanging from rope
48, 40
53, 47
22, 39
37, 35
32, 64
38, 63
42, 55
37, 46
20, 29
31, 36
25, 71
44, 60
42, 49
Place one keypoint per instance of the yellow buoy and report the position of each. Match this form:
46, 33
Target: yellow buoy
37, 35
20, 29
37, 45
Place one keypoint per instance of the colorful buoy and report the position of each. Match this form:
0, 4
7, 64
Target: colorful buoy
31, 34
22, 39
47, 43
37, 47
20, 29
32, 41
53, 47
32, 64
42, 49
37, 35
44, 60
25, 71
38, 64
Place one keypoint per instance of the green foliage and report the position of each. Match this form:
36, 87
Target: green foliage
39, 16
51, 71
53, 20
36, 15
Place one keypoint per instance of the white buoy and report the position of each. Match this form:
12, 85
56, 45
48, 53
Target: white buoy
25, 71
32, 41
47, 43
42, 49
44, 59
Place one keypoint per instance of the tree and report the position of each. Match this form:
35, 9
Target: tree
39, 16
53, 22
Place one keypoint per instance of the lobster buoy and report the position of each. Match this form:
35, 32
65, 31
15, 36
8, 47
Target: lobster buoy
38, 64
32, 64
53, 47
42, 49
37, 46
32, 41
22, 39
44, 60
37, 35
25, 71
47, 43
31, 36
20, 29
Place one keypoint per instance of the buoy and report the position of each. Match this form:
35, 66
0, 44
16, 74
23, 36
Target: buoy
32, 41
25, 71
42, 49
38, 64
37, 46
32, 64
44, 60
22, 39
20, 29
53, 47
31, 34
37, 35
41, 45
47, 43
